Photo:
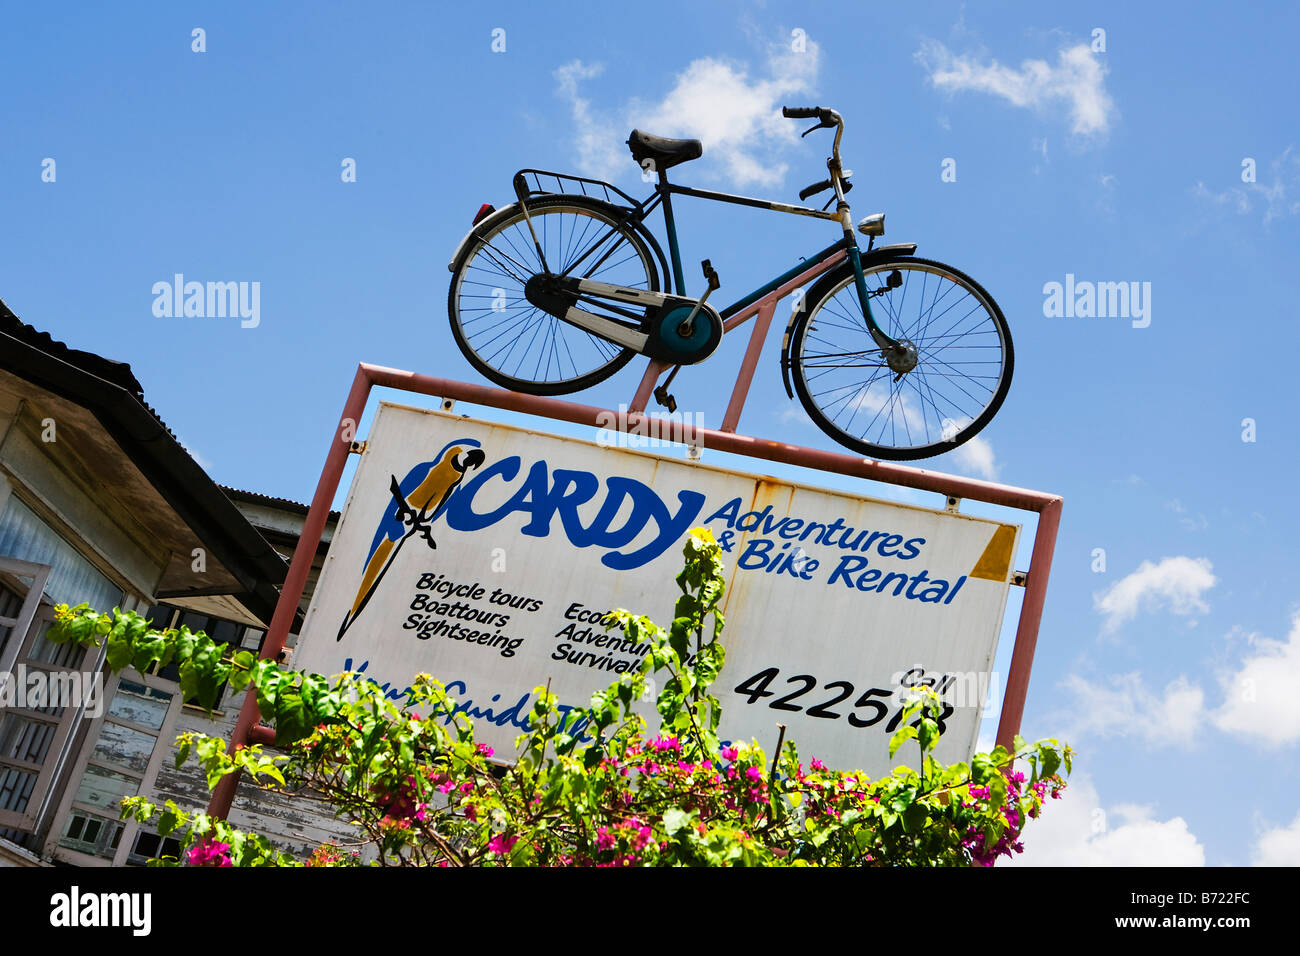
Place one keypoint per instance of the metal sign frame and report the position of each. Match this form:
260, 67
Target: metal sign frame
343, 442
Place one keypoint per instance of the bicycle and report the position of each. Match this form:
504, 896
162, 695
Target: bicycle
559, 291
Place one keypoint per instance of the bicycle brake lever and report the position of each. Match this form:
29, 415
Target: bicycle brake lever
813, 129
847, 186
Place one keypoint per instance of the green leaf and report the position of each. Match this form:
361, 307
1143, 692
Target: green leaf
901, 736
171, 818
291, 717
267, 681
914, 817
119, 647
982, 770
146, 649
185, 641
1051, 761
927, 734
675, 819
268, 768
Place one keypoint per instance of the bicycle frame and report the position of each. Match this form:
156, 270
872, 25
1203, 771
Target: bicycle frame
638, 212
761, 302
664, 190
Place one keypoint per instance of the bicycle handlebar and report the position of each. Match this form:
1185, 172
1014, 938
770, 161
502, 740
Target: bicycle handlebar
826, 119
814, 189
824, 116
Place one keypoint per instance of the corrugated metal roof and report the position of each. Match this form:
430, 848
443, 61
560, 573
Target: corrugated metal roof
239, 494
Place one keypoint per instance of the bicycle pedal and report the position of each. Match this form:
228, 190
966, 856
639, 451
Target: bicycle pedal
666, 400
711, 277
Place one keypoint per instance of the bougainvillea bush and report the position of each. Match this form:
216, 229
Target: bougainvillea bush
599, 788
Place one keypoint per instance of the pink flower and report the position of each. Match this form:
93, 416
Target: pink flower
604, 839
483, 750
754, 774
501, 844
816, 764
729, 753
209, 852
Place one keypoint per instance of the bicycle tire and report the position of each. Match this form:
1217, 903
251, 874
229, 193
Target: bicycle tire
499, 260
938, 375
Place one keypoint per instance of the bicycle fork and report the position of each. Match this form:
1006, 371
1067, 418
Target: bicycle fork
900, 355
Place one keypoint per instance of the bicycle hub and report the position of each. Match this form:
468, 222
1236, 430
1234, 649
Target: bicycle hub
903, 358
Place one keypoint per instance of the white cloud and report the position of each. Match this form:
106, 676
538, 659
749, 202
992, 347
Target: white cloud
1175, 583
1131, 707
1197, 522
976, 457
1278, 196
1260, 700
734, 111
1278, 846
598, 141
1077, 82
1078, 831
793, 415
1234, 196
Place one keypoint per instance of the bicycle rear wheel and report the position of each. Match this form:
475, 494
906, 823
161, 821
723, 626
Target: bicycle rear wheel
963, 370
518, 345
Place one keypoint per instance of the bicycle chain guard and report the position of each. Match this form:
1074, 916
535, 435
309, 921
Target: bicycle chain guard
664, 325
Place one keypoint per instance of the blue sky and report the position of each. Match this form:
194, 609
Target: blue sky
1173, 671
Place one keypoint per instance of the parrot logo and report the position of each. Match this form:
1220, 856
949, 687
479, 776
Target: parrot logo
417, 501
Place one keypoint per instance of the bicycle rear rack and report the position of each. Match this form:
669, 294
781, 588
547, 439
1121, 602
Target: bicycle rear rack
538, 182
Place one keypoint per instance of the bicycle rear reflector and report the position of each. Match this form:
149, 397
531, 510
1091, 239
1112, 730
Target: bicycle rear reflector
486, 209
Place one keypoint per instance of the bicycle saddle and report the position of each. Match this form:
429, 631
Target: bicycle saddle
665, 152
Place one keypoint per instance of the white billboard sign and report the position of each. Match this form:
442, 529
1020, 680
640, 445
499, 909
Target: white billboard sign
486, 555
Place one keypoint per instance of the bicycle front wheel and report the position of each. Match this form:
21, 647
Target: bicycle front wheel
518, 345
963, 366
